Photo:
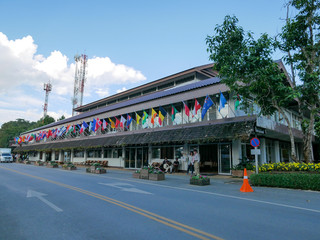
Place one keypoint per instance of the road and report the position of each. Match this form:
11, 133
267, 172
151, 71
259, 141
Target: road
45, 203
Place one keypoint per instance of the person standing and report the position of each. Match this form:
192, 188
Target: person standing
190, 163
196, 158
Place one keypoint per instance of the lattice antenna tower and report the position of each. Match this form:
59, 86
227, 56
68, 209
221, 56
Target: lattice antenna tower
80, 78
47, 87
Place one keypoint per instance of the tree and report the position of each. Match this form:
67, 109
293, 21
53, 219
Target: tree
246, 66
300, 39
61, 118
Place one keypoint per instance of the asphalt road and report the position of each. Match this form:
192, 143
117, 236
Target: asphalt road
44, 203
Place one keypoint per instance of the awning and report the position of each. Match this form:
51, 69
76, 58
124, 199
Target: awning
224, 130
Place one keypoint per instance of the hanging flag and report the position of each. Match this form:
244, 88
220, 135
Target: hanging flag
162, 115
117, 122
74, 129
173, 113
83, 127
186, 109
237, 103
93, 125
122, 122
144, 118
49, 133
222, 102
69, 129
98, 124
112, 123
207, 104
197, 106
104, 125
138, 118
129, 120
153, 115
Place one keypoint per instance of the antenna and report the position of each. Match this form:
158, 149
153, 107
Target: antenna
47, 87
80, 78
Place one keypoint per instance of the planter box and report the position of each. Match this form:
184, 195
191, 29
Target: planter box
239, 173
38, 163
100, 171
70, 168
52, 166
156, 177
136, 175
27, 162
200, 182
144, 174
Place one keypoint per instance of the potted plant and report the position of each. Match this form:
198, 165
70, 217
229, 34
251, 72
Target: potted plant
69, 166
136, 174
38, 163
53, 164
94, 166
100, 170
200, 180
156, 175
237, 170
144, 173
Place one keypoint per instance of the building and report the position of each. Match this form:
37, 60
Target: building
165, 118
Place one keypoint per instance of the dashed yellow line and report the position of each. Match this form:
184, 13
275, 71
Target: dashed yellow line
166, 221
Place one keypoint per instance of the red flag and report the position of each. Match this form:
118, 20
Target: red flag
197, 106
186, 109
117, 122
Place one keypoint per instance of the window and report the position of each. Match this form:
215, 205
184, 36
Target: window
79, 154
94, 153
155, 152
178, 151
167, 152
108, 153
117, 153
56, 155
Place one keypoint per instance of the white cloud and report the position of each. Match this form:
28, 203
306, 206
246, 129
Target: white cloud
23, 72
121, 90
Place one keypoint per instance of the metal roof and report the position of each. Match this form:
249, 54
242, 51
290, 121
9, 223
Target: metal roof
145, 98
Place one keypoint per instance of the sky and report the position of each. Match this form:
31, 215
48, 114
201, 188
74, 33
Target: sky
128, 43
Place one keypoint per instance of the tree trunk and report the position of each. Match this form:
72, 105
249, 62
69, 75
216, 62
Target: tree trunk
307, 138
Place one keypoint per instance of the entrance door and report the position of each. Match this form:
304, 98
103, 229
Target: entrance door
224, 159
136, 157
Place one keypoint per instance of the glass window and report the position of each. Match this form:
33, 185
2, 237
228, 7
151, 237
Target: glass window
178, 151
167, 152
94, 153
108, 153
56, 155
155, 152
79, 153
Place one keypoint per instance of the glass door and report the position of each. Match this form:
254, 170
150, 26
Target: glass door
139, 157
132, 159
224, 159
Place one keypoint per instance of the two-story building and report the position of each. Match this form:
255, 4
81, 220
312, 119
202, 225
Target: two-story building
168, 117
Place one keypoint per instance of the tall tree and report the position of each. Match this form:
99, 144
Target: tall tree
300, 39
246, 66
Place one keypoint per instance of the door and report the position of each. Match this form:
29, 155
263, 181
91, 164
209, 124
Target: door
224, 159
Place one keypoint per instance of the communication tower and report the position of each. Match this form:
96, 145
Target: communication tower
47, 87
80, 77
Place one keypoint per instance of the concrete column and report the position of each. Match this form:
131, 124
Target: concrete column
149, 153
236, 152
72, 155
53, 155
123, 156
263, 150
102, 153
85, 155
61, 157
44, 156
276, 151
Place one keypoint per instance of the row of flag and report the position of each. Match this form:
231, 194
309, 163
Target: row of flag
123, 122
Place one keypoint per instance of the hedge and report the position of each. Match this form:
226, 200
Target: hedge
303, 181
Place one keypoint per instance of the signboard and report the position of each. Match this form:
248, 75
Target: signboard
255, 152
255, 142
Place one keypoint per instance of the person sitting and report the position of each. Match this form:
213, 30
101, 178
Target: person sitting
167, 165
176, 165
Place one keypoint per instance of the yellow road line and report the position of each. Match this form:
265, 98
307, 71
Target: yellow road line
150, 215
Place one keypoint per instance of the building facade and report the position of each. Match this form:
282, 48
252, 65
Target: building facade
166, 118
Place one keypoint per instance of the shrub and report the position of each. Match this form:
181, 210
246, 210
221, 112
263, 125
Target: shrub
303, 181
286, 167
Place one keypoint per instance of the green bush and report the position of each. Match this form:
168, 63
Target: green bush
287, 180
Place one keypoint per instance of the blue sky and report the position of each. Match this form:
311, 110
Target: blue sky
128, 43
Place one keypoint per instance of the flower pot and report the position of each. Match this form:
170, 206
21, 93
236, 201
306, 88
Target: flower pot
200, 182
136, 175
93, 167
70, 168
156, 177
144, 174
100, 171
52, 166
239, 173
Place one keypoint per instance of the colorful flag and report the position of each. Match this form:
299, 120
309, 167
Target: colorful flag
74, 129
49, 133
207, 104
197, 106
122, 122
112, 123
222, 102
117, 122
153, 115
104, 125
129, 120
83, 127
186, 109
145, 117
93, 125
162, 115
138, 118
173, 113
98, 124
237, 103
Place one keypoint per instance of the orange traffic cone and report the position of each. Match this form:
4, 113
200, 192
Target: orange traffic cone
245, 186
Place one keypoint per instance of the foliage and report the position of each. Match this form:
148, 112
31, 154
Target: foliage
300, 166
243, 165
199, 177
96, 164
53, 163
61, 118
287, 180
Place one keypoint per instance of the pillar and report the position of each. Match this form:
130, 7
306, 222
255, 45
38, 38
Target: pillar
263, 151
276, 151
236, 152
72, 155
